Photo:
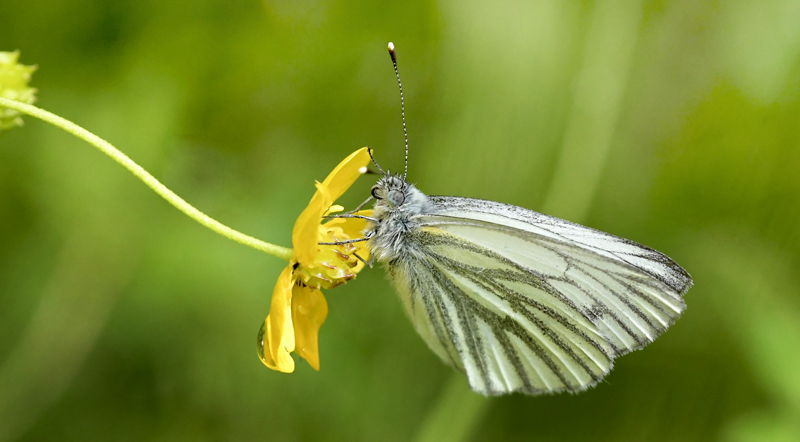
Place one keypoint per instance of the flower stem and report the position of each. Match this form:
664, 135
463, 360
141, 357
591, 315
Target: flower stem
151, 182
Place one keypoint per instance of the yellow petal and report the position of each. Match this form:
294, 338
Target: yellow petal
263, 346
305, 234
309, 310
346, 173
334, 208
279, 334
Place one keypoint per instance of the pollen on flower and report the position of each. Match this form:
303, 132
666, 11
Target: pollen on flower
333, 265
14, 79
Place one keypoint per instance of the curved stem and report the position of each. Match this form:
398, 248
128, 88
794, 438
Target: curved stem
151, 182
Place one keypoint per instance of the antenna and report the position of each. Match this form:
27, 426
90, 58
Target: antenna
369, 151
402, 104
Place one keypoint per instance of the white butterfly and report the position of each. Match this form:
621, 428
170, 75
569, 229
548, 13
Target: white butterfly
520, 301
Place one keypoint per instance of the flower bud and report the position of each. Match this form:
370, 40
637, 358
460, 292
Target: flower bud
14, 78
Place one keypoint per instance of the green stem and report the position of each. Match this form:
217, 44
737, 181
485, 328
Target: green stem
151, 182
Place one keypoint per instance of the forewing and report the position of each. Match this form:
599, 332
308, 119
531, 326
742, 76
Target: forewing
648, 261
525, 302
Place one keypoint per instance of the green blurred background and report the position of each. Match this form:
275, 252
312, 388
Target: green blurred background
672, 123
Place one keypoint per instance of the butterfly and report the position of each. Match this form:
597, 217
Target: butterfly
518, 300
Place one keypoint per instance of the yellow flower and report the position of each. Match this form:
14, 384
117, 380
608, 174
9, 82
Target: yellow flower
14, 78
298, 308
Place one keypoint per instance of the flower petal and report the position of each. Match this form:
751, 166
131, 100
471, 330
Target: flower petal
334, 208
263, 346
309, 310
279, 339
305, 236
346, 173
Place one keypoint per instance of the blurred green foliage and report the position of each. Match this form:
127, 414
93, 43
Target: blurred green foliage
121, 319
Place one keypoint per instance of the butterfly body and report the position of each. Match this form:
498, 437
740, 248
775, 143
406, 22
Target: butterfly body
518, 300
398, 204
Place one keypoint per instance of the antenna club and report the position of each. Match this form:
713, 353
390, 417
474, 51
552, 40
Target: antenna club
392, 53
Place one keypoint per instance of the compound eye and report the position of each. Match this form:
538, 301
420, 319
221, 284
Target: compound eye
396, 197
375, 190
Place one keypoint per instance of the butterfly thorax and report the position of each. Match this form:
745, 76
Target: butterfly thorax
396, 204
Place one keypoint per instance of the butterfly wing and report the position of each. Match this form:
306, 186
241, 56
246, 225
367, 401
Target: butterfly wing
525, 302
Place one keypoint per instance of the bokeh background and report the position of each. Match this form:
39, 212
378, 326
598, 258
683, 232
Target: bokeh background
672, 123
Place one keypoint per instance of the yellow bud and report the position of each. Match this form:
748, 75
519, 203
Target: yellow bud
14, 79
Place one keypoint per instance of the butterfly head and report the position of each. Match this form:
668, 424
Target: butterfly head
390, 190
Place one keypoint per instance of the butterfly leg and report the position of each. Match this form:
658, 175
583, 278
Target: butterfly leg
371, 261
338, 243
359, 206
347, 241
344, 215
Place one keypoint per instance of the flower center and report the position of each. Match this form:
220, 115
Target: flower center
333, 265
